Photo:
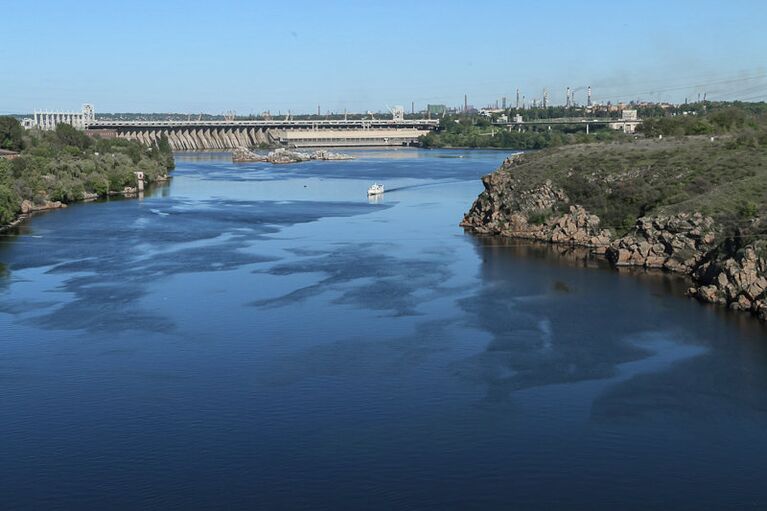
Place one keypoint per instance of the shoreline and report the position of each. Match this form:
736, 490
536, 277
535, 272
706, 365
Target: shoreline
23, 216
722, 269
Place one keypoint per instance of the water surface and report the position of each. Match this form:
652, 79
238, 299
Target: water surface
255, 336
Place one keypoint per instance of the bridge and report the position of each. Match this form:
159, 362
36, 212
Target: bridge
628, 122
228, 134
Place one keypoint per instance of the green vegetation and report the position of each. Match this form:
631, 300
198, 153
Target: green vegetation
718, 119
725, 178
478, 131
11, 134
66, 165
704, 118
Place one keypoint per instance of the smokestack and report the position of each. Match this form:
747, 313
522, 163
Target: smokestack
567, 98
318, 110
465, 103
588, 100
412, 107
503, 102
517, 99
545, 98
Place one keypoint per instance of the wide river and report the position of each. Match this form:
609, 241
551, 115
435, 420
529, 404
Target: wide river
265, 337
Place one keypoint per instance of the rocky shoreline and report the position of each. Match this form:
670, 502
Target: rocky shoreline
722, 271
29, 208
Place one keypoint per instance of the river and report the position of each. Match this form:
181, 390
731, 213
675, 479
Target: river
252, 336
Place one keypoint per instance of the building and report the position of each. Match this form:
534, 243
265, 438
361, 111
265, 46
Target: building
628, 122
49, 120
8, 155
436, 109
629, 115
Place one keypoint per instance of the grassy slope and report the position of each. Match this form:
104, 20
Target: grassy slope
622, 181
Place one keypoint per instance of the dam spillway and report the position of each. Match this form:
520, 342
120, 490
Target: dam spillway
196, 135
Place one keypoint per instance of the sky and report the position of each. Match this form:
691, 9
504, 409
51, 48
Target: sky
251, 56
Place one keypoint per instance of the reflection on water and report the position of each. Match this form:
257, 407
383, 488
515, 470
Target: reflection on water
251, 336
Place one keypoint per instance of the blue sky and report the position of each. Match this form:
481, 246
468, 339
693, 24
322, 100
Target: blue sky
194, 56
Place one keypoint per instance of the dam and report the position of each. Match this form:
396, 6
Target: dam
228, 134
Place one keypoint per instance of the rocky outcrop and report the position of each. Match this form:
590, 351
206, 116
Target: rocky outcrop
27, 206
677, 243
542, 212
739, 281
282, 156
687, 243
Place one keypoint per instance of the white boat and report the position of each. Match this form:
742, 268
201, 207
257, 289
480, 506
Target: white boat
375, 189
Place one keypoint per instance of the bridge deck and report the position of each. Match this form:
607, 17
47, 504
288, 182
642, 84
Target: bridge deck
278, 124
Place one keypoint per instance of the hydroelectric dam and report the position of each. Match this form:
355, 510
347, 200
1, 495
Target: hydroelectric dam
231, 133
189, 135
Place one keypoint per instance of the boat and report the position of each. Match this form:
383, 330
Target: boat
375, 189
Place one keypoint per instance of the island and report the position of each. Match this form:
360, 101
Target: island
282, 156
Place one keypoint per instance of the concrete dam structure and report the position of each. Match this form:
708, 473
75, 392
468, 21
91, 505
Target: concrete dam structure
229, 134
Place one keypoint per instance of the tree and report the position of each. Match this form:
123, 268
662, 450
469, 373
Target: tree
11, 134
70, 136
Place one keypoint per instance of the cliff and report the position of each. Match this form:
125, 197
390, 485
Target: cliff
531, 197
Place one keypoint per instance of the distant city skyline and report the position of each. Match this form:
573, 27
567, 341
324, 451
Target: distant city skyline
249, 57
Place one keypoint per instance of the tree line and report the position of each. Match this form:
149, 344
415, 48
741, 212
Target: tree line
67, 165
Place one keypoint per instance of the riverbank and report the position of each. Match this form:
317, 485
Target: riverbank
680, 206
63, 166
29, 209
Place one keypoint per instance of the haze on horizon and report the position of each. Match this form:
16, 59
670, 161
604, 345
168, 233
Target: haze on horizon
195, 56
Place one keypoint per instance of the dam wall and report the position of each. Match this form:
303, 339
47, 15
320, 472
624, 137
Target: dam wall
189, 139
230, 134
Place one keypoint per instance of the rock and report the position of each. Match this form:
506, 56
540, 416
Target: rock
283, 156
28, 206
708, 294
619, 257
688, 243
655, 262
742, 303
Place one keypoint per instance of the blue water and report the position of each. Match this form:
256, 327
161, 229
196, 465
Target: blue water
265, 337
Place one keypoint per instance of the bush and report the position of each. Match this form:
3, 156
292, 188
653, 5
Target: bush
11, 134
